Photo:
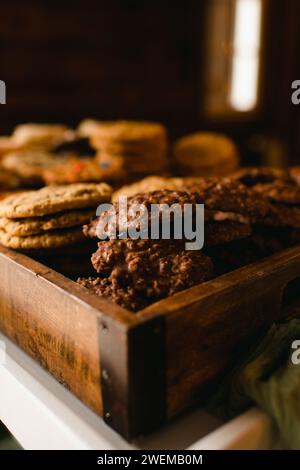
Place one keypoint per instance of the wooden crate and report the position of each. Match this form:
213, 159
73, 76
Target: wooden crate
138, 371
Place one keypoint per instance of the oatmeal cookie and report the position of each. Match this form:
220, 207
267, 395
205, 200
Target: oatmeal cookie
50, 200
37, 225
53, 239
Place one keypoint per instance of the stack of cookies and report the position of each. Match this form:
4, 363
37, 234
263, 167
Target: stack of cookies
274, 228
28, 151
40, 154
205, 154
137, 272
35, 136
141, 146
72, 169
46, 222
231, 210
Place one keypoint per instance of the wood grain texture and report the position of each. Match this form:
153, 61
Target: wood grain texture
55, 321
208, 325
139, 370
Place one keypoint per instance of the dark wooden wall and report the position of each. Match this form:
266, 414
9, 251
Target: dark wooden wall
64, 60
69, 59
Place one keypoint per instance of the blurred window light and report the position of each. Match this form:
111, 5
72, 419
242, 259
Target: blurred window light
246, 52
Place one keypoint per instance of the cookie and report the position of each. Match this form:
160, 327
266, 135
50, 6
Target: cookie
124, 131
282, 215
279, 192
50, 200
251, 176
76, 170
123, 222
43, 135
131, 150
78, 146
152, 269
53, 239
226, 232
126, 297
29, 165
206, 154
8, 179
87, 128
223, 195
294, 173
141, 165
149, 184
37, 225
7, 145
141, 145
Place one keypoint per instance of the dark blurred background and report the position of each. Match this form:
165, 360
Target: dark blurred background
211, 64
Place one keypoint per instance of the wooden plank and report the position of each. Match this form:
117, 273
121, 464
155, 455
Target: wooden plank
207, 325
139, 370
56, 322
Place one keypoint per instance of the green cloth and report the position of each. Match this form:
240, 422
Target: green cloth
269, 378
7, 441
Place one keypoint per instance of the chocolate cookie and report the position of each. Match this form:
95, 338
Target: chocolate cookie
279, 192
121, 223
126, 297
230, 197
283, 216
220, 233
251, 176
153, 269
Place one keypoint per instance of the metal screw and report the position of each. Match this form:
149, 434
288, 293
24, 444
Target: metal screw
105, 375
104, 327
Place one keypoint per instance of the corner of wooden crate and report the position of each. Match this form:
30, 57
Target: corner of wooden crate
132, 364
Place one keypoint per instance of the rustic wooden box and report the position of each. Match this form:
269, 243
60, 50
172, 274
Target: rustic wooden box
138, 371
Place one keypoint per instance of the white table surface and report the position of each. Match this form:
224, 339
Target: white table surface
42, 414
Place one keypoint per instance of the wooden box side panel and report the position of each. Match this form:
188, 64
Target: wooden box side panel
208, 325
214, 330
53, 327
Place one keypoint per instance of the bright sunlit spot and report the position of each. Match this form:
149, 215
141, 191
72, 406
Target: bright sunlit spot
245, 64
